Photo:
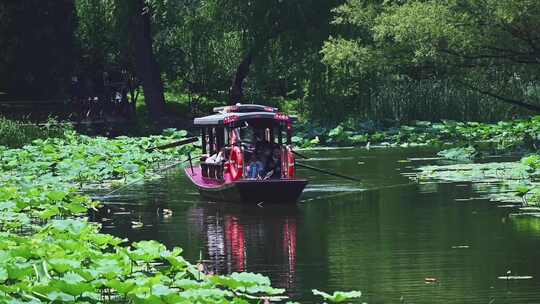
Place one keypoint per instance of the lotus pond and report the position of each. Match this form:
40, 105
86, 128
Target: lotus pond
418, 229
399, 236
50, 252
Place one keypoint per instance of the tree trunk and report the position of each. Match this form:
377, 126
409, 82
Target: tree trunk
236, 93
145, 62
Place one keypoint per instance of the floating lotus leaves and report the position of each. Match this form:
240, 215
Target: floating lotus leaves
19, 270
3, 274
338, 296
76, 208
49, 213
122, 287
62, 265
250, 283
500, 137
72, 284
513, 182
104, 240
176, 261
73, 226
57, 196
205, 295
110, 266
459, 154
42, 272
147, 251
191, 284
47, 255
240, 281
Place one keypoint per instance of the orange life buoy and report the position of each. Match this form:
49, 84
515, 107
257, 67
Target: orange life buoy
290, 163
236, 163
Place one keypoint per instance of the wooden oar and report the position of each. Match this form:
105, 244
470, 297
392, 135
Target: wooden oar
174, 144
160, 169
298, 154
328, 172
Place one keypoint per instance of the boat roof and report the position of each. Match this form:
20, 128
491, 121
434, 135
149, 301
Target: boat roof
242, 108
226, 118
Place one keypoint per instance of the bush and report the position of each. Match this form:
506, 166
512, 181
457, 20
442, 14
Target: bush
15, 134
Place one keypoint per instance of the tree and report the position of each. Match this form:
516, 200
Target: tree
36, 47
117, 35
145, 62
289, 30
196, 51
488, 46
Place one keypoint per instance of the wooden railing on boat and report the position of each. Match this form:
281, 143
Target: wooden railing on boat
214, 171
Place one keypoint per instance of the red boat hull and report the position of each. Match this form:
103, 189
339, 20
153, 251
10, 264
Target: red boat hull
247, 191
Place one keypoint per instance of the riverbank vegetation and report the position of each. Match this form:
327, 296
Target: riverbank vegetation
16, 134
329, 60
502, 137
462, 142
515, 183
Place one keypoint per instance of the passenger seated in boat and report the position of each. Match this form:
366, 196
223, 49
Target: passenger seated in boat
263, 148
254, 167
216, 158
273, 166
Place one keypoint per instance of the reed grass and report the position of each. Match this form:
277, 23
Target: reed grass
405, 101
15, 134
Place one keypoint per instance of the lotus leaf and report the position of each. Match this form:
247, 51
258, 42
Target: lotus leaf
338, 296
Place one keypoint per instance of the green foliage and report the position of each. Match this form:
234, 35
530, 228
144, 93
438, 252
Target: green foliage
338, 296
63, 258
36, 48
199, 44
338, 135
326, 60
49, 252
532, 162
502, 137
460, 153
508, 182
17, 134
465, 46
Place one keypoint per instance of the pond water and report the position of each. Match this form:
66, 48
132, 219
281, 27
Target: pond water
384, 236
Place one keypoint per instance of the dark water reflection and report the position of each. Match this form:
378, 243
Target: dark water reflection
383, 236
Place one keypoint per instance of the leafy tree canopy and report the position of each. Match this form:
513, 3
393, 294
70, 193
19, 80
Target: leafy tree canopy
486, 45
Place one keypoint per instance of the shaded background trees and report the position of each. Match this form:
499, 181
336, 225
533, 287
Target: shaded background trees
327, 60
36, 47
487, 50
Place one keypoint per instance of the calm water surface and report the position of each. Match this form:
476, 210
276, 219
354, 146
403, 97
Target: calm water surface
383, 236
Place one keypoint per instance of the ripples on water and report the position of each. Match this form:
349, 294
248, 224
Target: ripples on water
384, 236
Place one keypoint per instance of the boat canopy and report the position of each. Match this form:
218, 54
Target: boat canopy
230, 118
242, 108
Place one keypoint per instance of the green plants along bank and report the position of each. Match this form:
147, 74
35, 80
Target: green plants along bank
16, 134
501, 136
516, 182
50, 252
504, 182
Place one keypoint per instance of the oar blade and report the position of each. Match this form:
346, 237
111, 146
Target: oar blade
174, 144
328, 172
299, 154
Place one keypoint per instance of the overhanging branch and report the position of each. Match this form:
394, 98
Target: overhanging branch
515, 102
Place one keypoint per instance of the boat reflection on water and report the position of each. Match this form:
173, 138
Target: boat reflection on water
248, 238
235, 242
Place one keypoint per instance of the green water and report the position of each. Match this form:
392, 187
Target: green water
383, 236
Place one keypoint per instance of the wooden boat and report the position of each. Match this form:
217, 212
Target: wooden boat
234, 139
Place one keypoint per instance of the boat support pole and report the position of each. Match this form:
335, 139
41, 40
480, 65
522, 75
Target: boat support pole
190, 163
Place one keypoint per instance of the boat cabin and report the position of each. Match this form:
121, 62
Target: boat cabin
246, 142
